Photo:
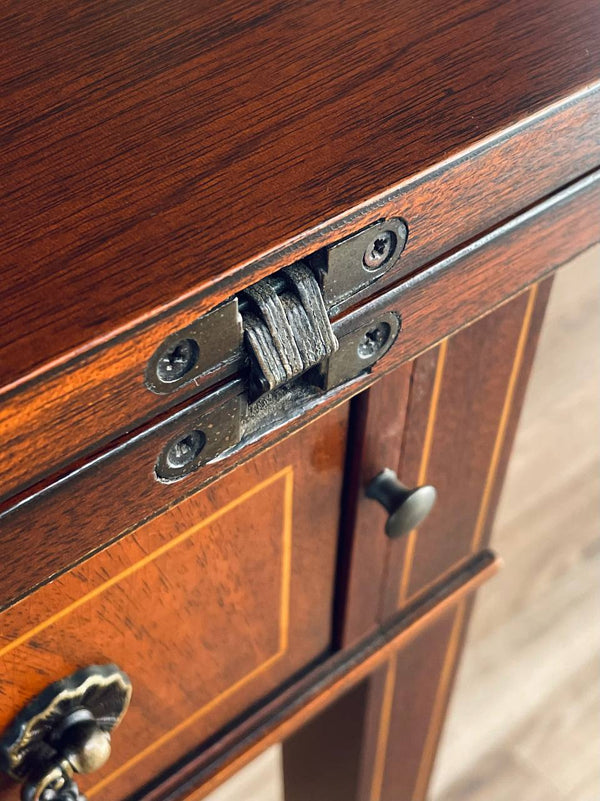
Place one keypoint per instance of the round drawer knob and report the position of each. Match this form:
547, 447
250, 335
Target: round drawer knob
63, 731
407, 507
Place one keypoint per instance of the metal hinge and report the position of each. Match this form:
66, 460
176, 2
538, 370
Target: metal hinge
279, 326
277, 334
286, 328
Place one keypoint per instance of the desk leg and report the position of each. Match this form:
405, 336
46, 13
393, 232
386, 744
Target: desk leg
378, 742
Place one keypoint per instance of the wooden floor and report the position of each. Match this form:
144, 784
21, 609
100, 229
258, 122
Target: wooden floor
524, 723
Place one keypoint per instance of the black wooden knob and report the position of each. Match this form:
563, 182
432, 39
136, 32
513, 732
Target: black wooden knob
407, 507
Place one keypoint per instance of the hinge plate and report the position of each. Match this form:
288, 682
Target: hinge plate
277, 335
197, 350
360, 259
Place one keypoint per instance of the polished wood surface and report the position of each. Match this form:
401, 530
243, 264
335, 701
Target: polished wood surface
458, 427
345, 731
432, 305
411, 724
321, 687
377, 737
207, 607
459, 420
538, 739
136, 137
452, 413
379, 744
378, 417
397, 715
156, 160
63, 421
466, 398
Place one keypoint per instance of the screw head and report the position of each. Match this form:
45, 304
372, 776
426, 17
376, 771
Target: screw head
379, 250
177, 360
373, 340
185, 450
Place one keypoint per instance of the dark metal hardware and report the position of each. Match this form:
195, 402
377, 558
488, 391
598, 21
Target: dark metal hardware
286, 332
379, 250
407, 507
63, 731
185, 450
277, 335
206, 433
196, 350
279, 327
225, 419
360, 259
359, 349
373, 340
173, 363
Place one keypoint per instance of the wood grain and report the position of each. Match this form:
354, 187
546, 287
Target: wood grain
147, 151
377, 429
539, 737
463, 409
542, 704
452, 426
324, 758
431, 304
317, 690
62, 422
417, 708
207, 607
377, 742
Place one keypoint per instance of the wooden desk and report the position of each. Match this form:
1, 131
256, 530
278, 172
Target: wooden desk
251, 256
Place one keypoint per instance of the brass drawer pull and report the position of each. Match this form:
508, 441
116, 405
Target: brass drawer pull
407, 507
63, 731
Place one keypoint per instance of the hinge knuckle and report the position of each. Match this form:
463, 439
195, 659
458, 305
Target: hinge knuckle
286, 334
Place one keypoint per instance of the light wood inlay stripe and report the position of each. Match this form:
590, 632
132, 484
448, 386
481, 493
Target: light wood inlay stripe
504, 419
497, 450
360, 671
139, 564
425, 455
286, 569
439, 704
441, 696
284, 612
384, 729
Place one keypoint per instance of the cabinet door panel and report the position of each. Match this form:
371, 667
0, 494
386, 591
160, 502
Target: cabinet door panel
378, 425
457, 406
458, 436
207, 606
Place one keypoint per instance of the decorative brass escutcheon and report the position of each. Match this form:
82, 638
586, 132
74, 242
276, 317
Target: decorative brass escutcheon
63, 731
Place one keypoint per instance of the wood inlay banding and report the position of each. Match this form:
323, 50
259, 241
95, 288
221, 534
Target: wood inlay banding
427, 445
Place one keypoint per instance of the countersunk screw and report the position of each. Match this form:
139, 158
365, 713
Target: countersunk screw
379, 250
373, 340
185, 450
178, 360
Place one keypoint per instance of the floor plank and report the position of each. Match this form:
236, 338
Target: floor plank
501, 774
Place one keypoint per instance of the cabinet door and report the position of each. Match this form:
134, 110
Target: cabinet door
207, 606
447, 419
